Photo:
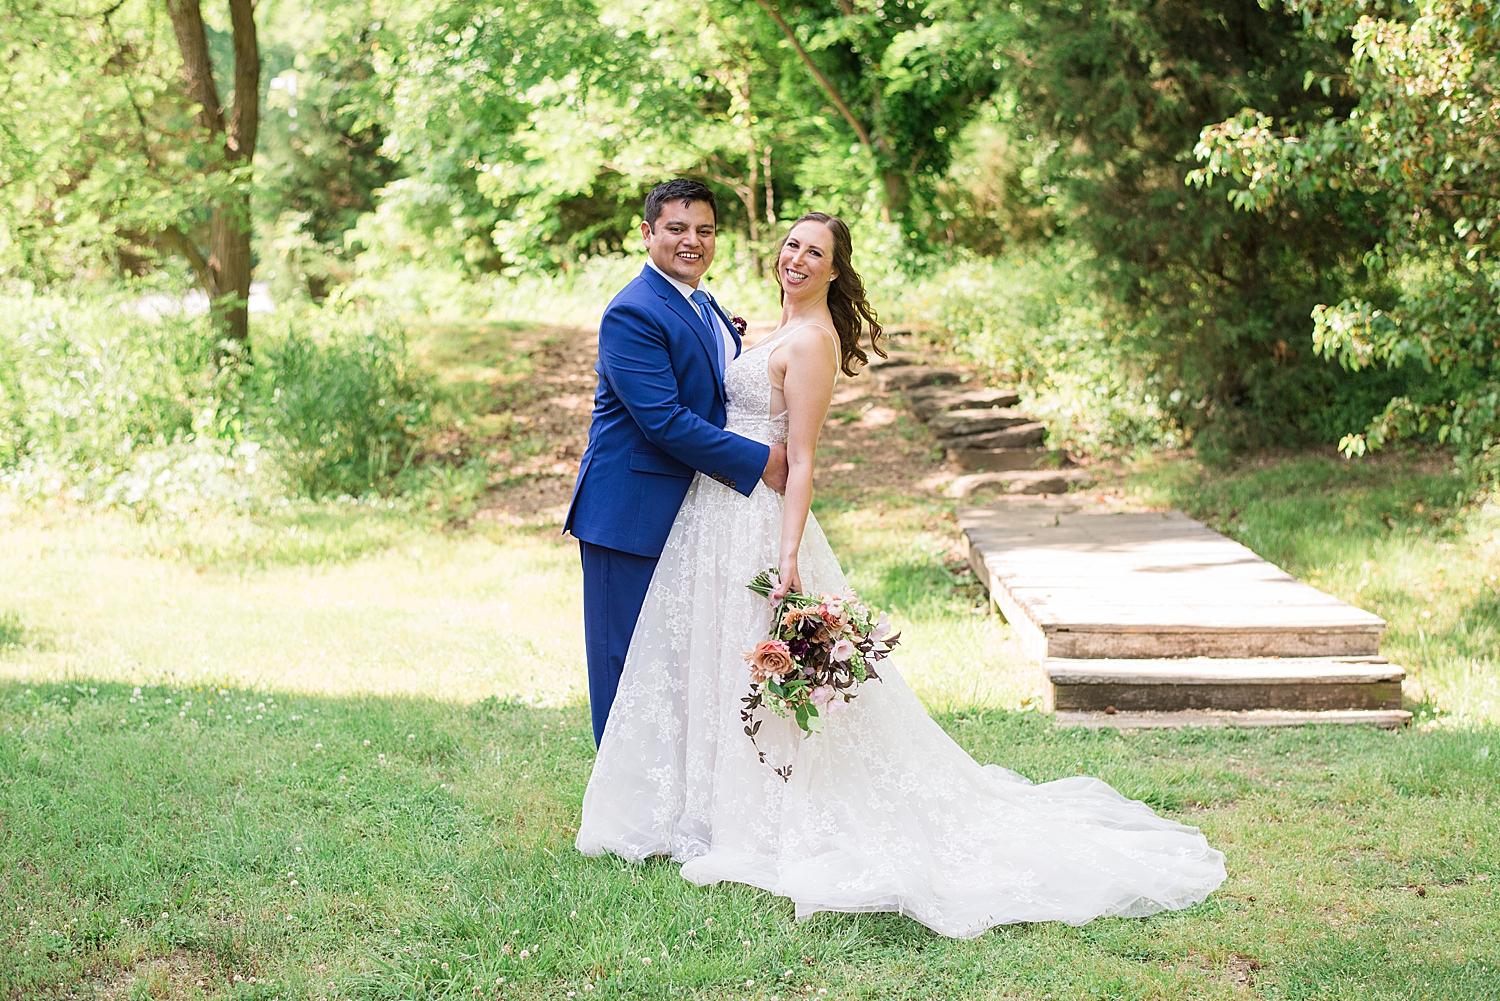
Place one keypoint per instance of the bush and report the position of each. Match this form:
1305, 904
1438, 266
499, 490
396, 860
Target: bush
87, 381
341, 402
115, 398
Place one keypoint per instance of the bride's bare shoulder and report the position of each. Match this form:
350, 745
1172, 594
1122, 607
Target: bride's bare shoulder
814, 340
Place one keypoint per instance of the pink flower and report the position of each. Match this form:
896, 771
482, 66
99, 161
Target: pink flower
822, 694
842, 650
775, 579
882, 628
769, 659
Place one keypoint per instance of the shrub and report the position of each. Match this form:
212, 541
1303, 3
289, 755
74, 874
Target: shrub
115, 398
86, 381
341, 402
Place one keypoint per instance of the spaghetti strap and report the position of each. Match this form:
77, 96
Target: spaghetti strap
837, 344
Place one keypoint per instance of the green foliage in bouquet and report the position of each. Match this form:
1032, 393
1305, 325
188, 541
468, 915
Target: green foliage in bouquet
819, 652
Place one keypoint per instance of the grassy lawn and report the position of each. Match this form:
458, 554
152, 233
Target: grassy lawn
338, 751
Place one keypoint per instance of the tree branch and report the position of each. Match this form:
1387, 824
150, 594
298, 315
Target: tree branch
244, 119
178, 241
197, 68
827, 85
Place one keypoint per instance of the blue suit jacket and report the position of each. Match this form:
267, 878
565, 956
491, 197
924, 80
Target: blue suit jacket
659, 415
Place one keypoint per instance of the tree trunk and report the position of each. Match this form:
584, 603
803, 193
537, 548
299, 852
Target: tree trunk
225, 274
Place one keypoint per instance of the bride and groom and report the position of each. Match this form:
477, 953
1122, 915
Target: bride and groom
678, 505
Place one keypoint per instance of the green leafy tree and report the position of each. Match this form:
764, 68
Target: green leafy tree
319, 161
1112, 95
1419, 147
536, 127
120, 141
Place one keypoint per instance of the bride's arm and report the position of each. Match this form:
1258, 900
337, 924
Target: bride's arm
810, 362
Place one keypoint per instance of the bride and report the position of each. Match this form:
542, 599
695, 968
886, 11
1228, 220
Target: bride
882, 810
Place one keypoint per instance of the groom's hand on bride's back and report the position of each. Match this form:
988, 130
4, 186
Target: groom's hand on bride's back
775, 474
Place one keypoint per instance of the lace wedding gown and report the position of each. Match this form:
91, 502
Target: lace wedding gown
883, 812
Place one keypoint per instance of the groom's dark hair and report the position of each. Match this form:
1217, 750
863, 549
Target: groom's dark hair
680, 190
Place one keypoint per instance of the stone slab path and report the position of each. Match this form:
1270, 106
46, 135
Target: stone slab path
1111, 604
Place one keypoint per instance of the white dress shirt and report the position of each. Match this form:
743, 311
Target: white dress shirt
687, 293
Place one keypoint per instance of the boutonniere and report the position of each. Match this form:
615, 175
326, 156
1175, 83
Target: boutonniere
740, 324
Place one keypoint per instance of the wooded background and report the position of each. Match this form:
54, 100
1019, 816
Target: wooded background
1277, 221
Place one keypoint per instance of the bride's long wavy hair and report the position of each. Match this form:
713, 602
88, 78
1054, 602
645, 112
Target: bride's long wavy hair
851, 311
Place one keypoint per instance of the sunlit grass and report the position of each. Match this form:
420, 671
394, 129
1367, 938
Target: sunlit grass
403, 848
403, 610
899, 555
360, 741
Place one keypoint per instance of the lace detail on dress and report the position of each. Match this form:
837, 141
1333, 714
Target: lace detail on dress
884, 812
747, 381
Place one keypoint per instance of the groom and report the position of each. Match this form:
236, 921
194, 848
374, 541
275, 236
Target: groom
659, 415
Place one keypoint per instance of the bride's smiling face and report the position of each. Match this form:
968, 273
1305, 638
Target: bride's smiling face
806, 264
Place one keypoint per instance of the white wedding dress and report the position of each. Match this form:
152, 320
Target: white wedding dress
883, 811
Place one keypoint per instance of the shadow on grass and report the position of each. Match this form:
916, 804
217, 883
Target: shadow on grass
404, 848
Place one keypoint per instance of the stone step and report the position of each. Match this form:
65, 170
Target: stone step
1307, 684
1385, 719
960, 423
901, 377
1077, 581
982, 460
1021, 481
1108, 639
1018, 436
935, 399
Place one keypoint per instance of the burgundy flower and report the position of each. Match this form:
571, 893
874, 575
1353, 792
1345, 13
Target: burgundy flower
740, 324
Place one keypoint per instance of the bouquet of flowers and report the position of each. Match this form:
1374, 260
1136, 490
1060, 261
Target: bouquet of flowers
819, 652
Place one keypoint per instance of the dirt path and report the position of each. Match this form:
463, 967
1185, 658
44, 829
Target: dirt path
871, 449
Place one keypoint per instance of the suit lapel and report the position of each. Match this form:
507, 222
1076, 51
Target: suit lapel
733, 330
684, 309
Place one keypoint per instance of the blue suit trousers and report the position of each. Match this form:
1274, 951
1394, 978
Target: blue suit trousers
614, 589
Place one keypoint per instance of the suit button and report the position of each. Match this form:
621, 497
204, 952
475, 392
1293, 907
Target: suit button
731, 484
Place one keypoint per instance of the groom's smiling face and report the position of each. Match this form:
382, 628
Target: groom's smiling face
681, 243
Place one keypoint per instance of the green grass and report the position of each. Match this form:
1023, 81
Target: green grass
412, 848
149, 841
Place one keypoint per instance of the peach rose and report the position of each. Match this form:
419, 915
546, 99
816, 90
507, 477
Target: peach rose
769, 659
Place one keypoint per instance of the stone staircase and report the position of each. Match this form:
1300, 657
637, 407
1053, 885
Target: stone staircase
1150, 619
1138, 619
985, 436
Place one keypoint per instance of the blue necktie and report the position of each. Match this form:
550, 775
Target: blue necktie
701, 299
